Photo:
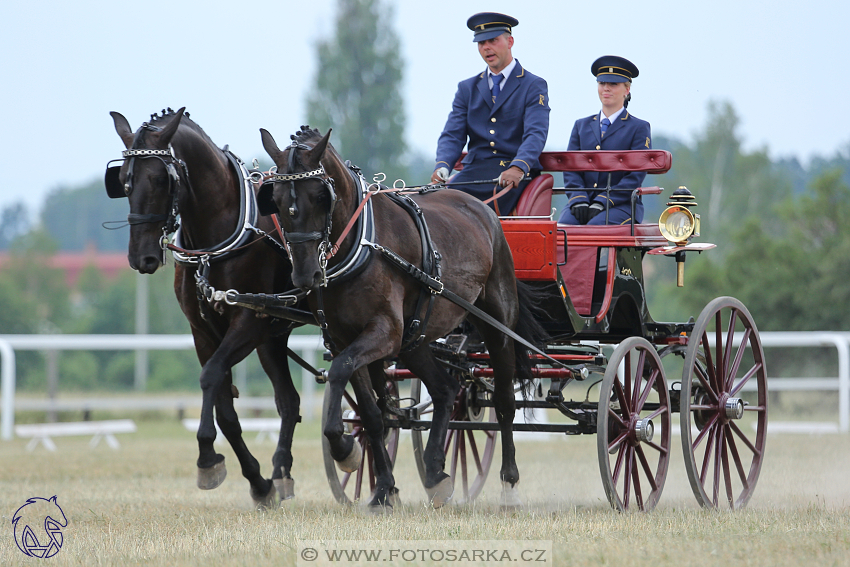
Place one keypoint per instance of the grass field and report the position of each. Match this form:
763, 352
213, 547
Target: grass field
139, 506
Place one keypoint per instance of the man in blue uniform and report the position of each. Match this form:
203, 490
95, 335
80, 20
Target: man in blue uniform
501, 115
611, 129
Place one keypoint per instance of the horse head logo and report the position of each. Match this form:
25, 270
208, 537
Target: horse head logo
38, 527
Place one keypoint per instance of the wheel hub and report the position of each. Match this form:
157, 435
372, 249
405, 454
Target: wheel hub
734, 408
644, 430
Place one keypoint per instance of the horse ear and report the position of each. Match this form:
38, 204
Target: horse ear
123, 128
314, 156
270, 145
170, 128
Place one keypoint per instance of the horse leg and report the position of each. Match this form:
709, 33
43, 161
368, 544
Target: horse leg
216, 385
372, 418
273, 357
501, 349
262, 490
369, 346
443, 390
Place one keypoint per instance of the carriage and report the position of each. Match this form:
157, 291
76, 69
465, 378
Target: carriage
601, 340
642, 373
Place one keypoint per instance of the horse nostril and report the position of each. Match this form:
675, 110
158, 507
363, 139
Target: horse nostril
149, 265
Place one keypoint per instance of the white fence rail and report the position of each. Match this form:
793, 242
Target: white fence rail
309, 345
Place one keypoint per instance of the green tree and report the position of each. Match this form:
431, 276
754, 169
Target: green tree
74, 217
791, 274
357, 89
730, 185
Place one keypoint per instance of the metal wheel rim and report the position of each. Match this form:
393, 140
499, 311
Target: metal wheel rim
723, 455
459, 446
635, 465
349, 487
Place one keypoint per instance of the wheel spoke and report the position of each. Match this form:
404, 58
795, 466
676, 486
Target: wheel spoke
621, 397
746, 378
718, 449
704, 431
646, 468
370, 462
613, 414
650, 382
727, 351
661, 410
636, 477
733, 448
659, 448
461, 448
744, 438
455, 448
627, 478
627, 380
618, 441
638, 376
706, 458
352, 402
736, 365
473, 447
706, 380
727, 476
618, 464
358, 481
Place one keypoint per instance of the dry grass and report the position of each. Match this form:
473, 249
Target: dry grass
139, 506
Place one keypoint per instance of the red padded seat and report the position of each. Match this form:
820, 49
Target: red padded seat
536, 198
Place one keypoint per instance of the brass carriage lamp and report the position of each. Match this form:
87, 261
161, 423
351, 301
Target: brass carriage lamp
678, 224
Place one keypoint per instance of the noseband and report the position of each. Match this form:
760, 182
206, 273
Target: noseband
321, 175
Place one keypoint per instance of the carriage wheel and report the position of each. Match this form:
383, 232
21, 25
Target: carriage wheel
724, 405
357, 485
469, 453
633, 404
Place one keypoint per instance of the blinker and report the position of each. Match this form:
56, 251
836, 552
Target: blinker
265, 200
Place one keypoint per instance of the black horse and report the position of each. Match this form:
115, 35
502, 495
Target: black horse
367, 319
216, 240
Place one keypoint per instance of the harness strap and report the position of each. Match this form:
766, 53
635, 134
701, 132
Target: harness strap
437, 287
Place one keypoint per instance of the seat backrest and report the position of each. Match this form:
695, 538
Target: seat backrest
536, 198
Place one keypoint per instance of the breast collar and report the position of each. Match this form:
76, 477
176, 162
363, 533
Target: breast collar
358, 255
245, 228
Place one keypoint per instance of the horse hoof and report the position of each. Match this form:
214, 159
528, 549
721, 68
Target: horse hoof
266, 502
440, 494
510, 498
352, 462
285, 488
212, 477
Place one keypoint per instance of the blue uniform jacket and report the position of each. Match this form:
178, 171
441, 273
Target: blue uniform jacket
511, 131
627, 132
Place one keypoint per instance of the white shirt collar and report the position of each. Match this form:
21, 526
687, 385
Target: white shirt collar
613, 117
506, 72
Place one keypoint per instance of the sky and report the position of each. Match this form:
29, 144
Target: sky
240, 66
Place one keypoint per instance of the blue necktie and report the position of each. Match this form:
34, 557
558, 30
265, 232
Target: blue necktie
497, 86
604, 125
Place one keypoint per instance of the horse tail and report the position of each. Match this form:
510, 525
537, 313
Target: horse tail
529, 328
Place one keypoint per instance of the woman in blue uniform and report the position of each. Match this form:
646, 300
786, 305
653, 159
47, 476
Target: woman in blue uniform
613, 128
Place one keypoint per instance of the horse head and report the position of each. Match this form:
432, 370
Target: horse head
150, 178
302, 191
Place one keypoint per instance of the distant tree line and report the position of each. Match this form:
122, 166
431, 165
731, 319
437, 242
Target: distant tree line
781, 228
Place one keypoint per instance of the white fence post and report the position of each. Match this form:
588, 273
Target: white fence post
7, 390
